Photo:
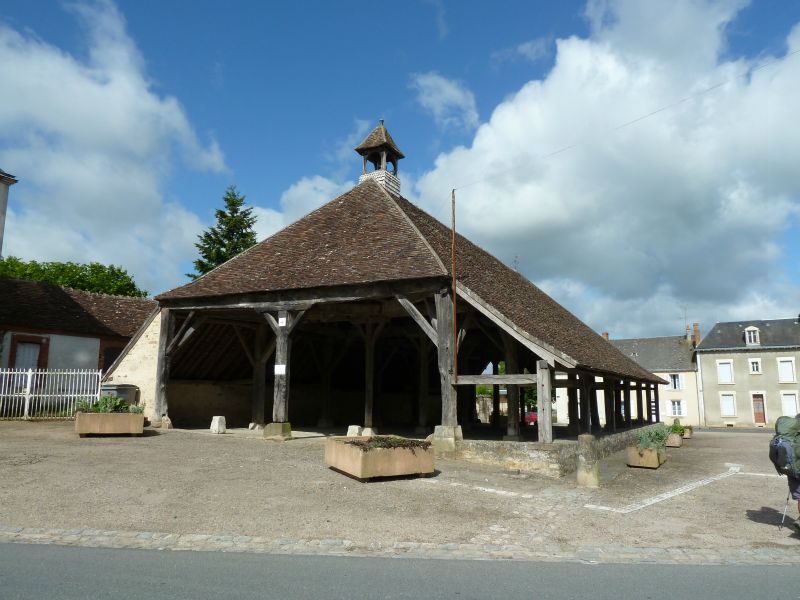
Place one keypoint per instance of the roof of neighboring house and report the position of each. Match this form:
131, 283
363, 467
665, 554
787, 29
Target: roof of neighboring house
42, 306
7, 177
777, 333
376, 138
659, 354
368, 236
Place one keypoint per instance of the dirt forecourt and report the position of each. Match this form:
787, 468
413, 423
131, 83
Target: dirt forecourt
716, 499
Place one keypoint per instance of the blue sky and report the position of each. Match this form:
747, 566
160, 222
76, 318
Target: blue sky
131, 118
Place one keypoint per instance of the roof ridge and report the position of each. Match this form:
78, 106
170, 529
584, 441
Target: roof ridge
414, 227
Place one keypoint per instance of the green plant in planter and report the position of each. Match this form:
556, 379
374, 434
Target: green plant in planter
107, 404
676, 427
654, 437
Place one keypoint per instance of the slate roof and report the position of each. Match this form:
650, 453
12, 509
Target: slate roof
367, 236
659, 354
33, 305
775, 333
377, 138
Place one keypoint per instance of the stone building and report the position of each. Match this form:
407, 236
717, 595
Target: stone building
748, 372
350, 316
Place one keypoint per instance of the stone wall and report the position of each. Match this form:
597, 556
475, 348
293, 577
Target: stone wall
553, 460
138, 366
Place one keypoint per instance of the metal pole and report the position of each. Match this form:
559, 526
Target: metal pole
455, 296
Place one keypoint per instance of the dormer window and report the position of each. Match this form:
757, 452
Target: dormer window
751, 336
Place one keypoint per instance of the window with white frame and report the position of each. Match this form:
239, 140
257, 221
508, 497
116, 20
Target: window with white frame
727, 405
786, 370
755, 366
676, 408
675, 381
724, 371
789, 403
751, 337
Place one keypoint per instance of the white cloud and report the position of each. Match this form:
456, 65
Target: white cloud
532, 50
441, 18
450, 102
92, 144
685, 208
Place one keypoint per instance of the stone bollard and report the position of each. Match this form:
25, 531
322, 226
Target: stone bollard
354, 431
166, 422
588, 466
218, 425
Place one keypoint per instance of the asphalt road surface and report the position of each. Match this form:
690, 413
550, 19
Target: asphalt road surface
61, 573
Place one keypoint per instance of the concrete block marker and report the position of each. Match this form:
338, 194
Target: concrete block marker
218, 424
354, 431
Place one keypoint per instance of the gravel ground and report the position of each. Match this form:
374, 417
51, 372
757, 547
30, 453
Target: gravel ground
193, 482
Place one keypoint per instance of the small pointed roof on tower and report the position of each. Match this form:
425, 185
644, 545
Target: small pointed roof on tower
7, 178
378, 137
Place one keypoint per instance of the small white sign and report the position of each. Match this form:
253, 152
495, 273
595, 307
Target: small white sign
281, 321
280, 369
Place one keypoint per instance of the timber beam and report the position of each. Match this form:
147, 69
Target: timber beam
522, 380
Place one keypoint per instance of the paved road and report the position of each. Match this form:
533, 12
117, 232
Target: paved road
61, 573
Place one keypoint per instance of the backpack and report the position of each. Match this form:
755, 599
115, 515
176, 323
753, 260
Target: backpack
784, 448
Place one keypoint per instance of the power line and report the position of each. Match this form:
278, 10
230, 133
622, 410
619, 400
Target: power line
666, 107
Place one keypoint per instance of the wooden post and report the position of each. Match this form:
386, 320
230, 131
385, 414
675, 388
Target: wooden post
617, 405
587, 394
448, 433
259, 389
639, 407
283, 348
627, 399
544, 402
512, 391
423, 356
649, 397
572, 406
280, 428
444, 334
657, 403
166, 333
608, 397
370, 333
496, 397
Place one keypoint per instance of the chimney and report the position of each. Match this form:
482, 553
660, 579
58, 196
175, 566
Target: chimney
689, 335
605, 335
696, 334
6, 181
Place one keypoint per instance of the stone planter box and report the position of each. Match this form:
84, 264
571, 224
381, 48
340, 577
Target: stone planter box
688, 432
376, 462
674, 440
109, 424
647, 458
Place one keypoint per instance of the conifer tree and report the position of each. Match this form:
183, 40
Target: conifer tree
232, 234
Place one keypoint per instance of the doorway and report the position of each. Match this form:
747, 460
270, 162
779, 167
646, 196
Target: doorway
759, 415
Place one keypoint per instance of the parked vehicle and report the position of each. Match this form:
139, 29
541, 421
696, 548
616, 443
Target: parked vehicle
531, 417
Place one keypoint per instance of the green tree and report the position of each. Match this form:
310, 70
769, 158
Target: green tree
91, 277
232, 235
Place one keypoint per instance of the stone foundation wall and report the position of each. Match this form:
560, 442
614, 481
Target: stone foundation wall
553, 460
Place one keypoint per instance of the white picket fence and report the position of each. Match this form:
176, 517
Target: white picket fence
46, 394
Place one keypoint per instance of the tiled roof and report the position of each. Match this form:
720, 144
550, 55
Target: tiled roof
778, 333
7, 177
368, 236
377, 138
520, 301
360, 237
43, 306
659, 354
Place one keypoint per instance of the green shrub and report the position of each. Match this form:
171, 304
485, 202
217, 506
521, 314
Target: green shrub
676, 427
107, 404
654, 437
